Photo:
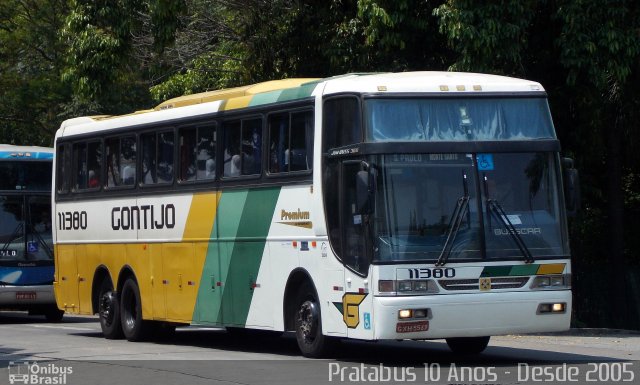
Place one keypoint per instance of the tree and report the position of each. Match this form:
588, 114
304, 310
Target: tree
30, 57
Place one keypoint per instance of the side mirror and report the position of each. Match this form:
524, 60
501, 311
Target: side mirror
365, 192
571, 181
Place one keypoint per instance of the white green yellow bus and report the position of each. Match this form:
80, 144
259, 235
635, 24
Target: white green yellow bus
391, 206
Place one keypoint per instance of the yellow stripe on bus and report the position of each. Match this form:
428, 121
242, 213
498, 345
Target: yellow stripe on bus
201, 216
553, 268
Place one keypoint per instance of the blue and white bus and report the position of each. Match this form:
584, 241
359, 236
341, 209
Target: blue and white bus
26, 252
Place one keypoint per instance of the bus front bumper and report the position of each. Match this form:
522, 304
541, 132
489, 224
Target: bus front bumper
471, 315
24, 296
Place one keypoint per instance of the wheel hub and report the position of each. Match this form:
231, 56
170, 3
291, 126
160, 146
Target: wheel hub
106, 306
308, 320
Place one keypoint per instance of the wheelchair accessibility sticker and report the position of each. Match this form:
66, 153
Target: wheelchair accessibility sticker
485, 162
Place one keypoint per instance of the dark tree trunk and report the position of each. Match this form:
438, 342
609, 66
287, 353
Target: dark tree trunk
614, 138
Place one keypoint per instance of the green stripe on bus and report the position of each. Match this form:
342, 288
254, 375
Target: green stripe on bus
265, 98
522, 270
242, 225
304, 91
209, 302
509, 271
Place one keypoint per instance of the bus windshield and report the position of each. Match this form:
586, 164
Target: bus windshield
458, 119
25, 175
467, 207
25, 228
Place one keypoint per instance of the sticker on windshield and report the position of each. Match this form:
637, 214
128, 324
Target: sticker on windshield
513, 218
485, 162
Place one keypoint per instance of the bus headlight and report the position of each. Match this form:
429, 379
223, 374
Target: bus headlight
407, 287
551, 282
406, 314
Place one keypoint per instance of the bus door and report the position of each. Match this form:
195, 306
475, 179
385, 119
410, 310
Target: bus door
243, 218
357, 301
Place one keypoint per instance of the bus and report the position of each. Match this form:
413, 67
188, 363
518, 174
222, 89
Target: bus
26, 251
390, 206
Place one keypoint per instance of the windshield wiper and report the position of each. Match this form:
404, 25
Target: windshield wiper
454, 224
494, 207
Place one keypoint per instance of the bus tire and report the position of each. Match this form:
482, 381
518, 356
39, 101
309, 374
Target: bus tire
133, 326
308, 325
468, 345
109, 311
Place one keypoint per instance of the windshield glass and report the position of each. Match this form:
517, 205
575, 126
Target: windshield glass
25, 175
467, 206
25, 228
458, 119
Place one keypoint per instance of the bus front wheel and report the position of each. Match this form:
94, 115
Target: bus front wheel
109, 311
308, 325
133, 326
468, 345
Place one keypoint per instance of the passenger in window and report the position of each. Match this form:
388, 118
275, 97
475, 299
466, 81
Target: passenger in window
256, 144
235, 167
93, 180
128, 175
210, 169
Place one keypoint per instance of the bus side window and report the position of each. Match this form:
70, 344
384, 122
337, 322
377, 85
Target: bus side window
80, 166
231, 156
94, 165
121, 161
62, 185
301, 148
148, 143
206, 152
278, 142
242, 147
290, 142
342, 122
188, 153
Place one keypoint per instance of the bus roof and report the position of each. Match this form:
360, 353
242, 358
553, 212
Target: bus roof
9, 151
294, 89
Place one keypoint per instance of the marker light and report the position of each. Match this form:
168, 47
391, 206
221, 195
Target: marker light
546, 308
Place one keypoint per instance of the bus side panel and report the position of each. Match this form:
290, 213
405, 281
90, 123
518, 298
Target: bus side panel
242, 221
88, 257
201, 230
136, 259
179, 280
153, 254
66, 286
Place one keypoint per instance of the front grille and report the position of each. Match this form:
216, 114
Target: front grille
474, 284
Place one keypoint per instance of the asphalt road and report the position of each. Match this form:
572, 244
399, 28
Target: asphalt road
74, 352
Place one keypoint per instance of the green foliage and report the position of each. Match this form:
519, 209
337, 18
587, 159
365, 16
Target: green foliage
30, 65
490, 36
98, 36
600, 41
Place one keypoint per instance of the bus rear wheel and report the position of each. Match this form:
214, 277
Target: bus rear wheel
109, 311
133, 326
468, 345
308, 325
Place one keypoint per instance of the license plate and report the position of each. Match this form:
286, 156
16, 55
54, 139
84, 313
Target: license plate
22, 295
412, 327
